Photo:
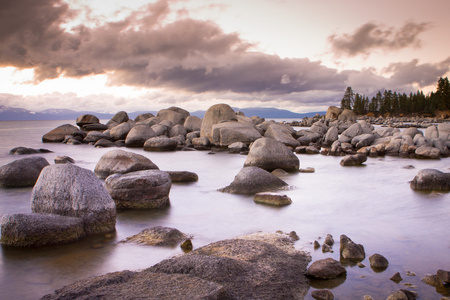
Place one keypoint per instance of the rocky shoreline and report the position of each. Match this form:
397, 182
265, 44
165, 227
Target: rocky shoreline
81, 204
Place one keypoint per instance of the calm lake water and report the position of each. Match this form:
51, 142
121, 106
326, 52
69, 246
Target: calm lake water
372, 204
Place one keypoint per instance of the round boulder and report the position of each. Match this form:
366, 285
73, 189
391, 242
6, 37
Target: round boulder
58, 134
431, 179
214, 115
333, 113
252, 180
378, 262
327, 268
120, 161
138, 135
193, 123
22, 172
160, 143
68, 190
353, 160
269, 154
35, 230
87, 119
140, 190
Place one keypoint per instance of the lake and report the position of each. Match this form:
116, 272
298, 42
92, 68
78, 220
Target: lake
372, 204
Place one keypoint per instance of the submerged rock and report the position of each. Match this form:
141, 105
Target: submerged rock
158, 236
36, 230
68, 190
252, 180
272, 199
22, 172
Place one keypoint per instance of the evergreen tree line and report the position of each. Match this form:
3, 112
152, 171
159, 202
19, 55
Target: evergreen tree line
394, 103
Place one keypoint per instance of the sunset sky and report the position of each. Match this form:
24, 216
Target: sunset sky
138, 55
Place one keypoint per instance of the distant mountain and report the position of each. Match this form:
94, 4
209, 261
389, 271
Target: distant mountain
20, 114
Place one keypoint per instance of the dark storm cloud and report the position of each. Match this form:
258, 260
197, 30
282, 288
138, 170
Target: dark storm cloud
371, 36
145, 50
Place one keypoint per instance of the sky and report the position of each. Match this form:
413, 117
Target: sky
147, 55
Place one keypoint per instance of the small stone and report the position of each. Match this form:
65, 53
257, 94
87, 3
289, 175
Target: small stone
187, 245
361, 265
409, 167
322, 295
326, 248
307, 170
329, 240
378, 262
432, 280
272, 199
396, 277
293, 235
316, 245
409, 273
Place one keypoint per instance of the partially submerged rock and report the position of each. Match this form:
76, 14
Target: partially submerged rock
327, 268
378, 262
139, 190
353, 160
25, 150
120, 161
350, 250
252, 180
58, 134
22, 172
36, 230
68, 190
158, 236
431, 179
182, 176
270, 198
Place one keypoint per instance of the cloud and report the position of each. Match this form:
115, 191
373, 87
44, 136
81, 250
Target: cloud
371, 36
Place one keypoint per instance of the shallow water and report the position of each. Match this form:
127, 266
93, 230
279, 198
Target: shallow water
372, 204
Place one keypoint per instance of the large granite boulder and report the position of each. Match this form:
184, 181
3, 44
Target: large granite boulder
174, 114
444, 131
158, 236
68, 190
227, 133
120, 161
120, 117
351, 251
331, 136
427, 152
140, 189
193, 123
143, 117
160, 144
86, 120
263, 267
214, 115
137, 136
412, 131
269, 154
252, 180
431, 132
333, 112
347, 115
431, 179
354, 130
363, 140
35, 230
95, 136
121, 131
22, 172
182, 176
283, 134
327, 268
58, 134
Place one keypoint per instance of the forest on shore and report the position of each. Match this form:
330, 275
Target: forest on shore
389, 103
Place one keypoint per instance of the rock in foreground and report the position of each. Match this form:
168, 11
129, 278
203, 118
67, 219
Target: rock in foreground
22, 172
68, 190
431, 179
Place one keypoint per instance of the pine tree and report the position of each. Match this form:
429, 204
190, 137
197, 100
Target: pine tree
348, 99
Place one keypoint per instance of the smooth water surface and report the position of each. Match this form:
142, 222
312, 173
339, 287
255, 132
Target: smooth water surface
372, 204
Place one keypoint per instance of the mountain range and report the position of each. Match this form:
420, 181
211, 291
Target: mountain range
21, 114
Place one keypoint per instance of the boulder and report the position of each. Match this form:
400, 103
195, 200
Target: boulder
252, 180
64, 160
158, 236
121, 131
141, 285
241, 268
333, 113
347, 115
25, 151
331, 136
150, 121
237, 147
351, 251
177, 130
138, 135
143, 117
120, 117
58, 134
214, 115
327, 268
87, 119
363, 140
443, 275
193, 123
354, 130
174, 114
95, 136
412, 131
160, 143
403, 294
182, 176
444, 131
227, 133
270, 198
104, 143
120, 161
282, 134
160, 129
36, 230
431, 132
432, 280
431, 179
68, 190
140, 190
353, 160
378, 262
201, 143
94, 127
22, 172
426, 152
269, 154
